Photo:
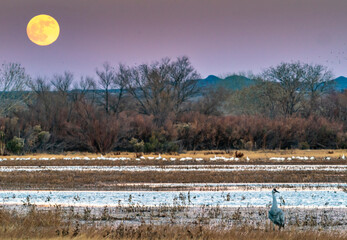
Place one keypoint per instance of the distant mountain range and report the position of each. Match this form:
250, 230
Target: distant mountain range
340, 83
233, 82
236, 82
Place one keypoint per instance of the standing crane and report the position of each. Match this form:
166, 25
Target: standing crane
276, 215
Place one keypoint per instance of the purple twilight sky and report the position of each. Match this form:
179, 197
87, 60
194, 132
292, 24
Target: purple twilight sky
219, 36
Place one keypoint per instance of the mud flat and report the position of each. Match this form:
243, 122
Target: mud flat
178, 168
130, 180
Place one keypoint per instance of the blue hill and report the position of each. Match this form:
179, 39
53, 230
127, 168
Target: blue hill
340, 83
233, 82
236, 82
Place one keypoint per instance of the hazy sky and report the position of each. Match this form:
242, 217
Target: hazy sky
219, 36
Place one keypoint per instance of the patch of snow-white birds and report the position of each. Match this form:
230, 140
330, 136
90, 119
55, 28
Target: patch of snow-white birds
293, 158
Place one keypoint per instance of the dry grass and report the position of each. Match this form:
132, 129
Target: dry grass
87, 180
57, 224
260, 154
61, 162
197, 232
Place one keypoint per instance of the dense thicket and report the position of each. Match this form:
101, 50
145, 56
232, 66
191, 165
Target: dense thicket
158, 107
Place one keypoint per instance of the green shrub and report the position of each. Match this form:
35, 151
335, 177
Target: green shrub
171, 147
43, 137
153, 145
36, 139
137, 146
304, 145
159, 143
16, 145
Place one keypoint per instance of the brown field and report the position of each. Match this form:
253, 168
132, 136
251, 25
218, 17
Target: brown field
59, 223
88, 180
260, 154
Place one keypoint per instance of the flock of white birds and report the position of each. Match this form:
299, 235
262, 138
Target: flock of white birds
215, 158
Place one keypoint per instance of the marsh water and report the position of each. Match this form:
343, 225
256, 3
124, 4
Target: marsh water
333, 197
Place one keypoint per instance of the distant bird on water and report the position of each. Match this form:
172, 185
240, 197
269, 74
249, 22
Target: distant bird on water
276, 215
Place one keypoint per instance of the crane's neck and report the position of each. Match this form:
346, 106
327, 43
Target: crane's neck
274, 201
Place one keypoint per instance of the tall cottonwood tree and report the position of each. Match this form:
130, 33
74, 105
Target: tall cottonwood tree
110, 79
62, 82
13, 80
317, 82
296, 87
290, 79
106, 80
162, 88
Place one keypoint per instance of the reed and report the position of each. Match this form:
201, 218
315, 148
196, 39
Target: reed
59, 224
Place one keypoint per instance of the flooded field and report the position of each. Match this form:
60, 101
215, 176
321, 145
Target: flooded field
215, 195
335, 197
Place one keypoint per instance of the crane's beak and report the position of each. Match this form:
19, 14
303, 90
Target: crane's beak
277, 191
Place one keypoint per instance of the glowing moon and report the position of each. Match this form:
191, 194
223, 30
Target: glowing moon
43, 30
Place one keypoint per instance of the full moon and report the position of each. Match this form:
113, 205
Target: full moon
43, 30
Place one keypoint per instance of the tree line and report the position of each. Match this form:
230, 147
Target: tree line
159, 107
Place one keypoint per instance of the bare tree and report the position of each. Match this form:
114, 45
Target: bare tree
295, 87
291, 80
163, 87
13, 80
213, 101
39, 85
120, 83
41, 103
106, 80
62, 82
84, 89
183, 79
318, 82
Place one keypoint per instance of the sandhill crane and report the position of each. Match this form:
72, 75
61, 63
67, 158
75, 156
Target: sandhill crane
276, 215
